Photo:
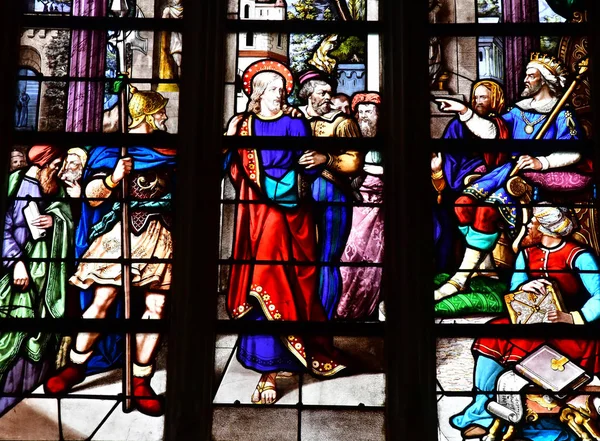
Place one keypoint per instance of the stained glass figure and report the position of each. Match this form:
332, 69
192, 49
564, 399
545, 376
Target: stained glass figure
536, 388
343, 187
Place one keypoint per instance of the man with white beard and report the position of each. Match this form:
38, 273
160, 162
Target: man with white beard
333, 185
72, 170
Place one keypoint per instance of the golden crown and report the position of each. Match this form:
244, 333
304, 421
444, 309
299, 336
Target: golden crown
552, 64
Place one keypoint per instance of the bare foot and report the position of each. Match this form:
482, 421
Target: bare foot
265, 392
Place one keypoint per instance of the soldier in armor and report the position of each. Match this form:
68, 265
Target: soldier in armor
149, 173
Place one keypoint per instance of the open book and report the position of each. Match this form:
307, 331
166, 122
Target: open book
552, 370
528, 308
32, 212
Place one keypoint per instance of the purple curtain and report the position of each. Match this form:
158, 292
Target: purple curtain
518, 49
88, 57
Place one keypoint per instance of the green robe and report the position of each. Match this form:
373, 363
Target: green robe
45, 295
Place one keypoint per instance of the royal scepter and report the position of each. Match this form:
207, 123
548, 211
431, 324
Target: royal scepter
120, 9
583, 67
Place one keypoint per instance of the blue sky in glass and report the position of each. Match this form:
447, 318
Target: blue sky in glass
62, 6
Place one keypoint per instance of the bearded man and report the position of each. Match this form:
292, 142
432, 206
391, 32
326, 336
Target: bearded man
332, 185
449, 170
72, 170
150, 176
549, 255
361, 285
33, 289
274, 224
487, 202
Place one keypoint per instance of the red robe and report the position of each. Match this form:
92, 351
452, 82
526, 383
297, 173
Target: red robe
269, 232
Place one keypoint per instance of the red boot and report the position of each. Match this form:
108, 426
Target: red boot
148, 406
64, 380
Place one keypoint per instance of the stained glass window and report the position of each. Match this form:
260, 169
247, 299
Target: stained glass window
302, 226
88, 248
515, 222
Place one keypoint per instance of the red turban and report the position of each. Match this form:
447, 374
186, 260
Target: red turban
365, 98
42, 155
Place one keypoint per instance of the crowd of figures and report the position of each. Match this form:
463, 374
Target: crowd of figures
474, 206
62, 256
302, 215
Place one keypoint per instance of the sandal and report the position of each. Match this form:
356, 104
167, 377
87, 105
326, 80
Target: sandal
263, 386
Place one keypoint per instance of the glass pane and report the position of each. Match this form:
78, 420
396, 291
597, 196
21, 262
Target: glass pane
339, 192
528, 388
342, 262
64, 257
110, 8
92, 410
350, 64
322, 10
239, 357
509, 72
506, 11
84, 102
493, 236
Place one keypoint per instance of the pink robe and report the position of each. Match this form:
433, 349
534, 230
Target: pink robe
361, 285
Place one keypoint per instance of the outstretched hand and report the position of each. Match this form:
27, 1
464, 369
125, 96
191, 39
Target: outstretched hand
447, 105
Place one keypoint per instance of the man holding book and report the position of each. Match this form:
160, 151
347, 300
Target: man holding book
549, 257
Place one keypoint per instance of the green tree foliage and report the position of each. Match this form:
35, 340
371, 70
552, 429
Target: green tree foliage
305, 10
55, 96
488, 8
328, 15
351, 50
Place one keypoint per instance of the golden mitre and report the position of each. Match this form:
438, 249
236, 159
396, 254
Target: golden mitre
552, 64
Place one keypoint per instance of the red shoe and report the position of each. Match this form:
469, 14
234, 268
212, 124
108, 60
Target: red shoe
65, 379
148, 406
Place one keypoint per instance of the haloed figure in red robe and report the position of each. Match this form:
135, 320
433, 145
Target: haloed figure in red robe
274, 225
